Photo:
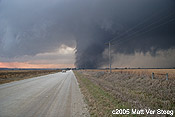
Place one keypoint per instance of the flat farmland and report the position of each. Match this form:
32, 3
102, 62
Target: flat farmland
158, 73
14, 75
127, 88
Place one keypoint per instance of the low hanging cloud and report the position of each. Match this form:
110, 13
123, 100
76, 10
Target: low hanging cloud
63, 57
35, 28
161, 59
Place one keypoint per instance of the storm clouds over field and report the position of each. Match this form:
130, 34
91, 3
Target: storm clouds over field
51, 31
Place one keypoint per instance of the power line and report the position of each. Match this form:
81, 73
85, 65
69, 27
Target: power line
129, 30
139, 31
171, 20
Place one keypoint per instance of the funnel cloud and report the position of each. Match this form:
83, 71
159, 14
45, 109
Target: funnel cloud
29, 28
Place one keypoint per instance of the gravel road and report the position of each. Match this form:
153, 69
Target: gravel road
54, 95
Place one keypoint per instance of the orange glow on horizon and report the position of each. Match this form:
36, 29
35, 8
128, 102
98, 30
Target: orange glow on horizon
28, 65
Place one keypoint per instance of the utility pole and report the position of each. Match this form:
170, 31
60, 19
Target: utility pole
109, 53
109, 56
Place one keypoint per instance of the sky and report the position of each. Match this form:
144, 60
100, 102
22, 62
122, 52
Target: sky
74, 33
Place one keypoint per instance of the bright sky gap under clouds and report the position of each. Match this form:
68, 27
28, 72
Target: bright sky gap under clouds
63, 57
73, 33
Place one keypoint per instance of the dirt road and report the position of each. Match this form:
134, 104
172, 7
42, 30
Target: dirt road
54, 95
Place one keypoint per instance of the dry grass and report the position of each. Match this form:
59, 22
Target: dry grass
101, 103
135, 88
159, 73
14, 75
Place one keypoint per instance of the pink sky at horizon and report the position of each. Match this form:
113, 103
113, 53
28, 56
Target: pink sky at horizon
28, 65
63, 57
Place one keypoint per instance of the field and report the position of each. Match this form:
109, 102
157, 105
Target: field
14, 75
128, 88
159, 73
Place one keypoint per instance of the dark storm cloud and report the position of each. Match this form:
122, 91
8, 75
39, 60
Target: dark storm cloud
37, 26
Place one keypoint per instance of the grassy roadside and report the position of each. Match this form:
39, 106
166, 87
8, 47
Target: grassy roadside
7, 76
101, 103
131, 90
